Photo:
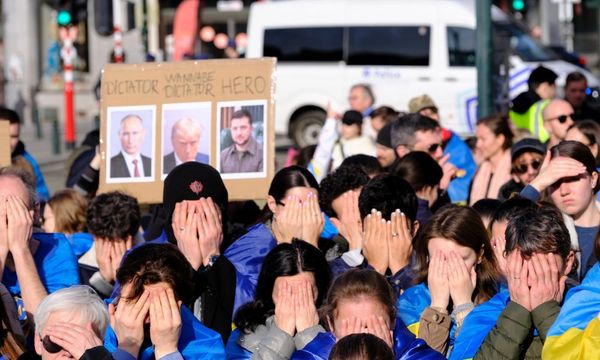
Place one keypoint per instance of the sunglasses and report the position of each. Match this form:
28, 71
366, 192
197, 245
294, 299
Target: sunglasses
50, 345
562, 118
433, 148
522, 168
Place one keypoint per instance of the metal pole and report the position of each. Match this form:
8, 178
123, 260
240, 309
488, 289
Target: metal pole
484, 59
68, 54
117, 31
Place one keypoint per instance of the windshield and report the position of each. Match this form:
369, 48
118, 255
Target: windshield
522, 44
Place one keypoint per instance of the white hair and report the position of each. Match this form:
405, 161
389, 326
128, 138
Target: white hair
77, 299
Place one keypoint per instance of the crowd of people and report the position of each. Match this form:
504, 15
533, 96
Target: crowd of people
392, 238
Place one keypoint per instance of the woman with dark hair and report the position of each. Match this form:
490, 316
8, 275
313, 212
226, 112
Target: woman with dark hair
569, 177
455, 270
423, 174
362, 301
283, 315
586, 132
494, 139
147, 319
361, 347
292, 211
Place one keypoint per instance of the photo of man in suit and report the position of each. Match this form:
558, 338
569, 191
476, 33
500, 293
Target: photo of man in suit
185, 138
129, 162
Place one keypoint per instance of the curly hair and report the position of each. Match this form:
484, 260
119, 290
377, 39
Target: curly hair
113, 216
345, 178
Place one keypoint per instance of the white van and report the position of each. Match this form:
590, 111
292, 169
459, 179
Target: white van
403, 48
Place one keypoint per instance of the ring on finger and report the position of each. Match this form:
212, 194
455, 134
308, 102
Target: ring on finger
395, 234
181, 228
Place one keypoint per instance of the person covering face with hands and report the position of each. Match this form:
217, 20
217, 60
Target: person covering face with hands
283, 316
292, 211
538, 259
456, 270
147, 319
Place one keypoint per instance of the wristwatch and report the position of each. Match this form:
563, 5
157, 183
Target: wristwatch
212, 260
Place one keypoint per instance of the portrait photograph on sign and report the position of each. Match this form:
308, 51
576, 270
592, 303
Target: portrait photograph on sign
242, 133
185, 134
130, 139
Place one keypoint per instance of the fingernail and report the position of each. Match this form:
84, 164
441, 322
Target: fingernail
373, 211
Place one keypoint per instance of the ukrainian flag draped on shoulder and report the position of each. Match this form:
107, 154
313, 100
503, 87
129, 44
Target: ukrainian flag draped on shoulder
411, 304
246, 254
576, 332
477, 325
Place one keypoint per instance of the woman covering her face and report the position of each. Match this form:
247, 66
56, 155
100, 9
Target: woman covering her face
456, 270
147, 319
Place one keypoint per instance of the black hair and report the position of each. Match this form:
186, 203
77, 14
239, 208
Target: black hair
10, 115
286, 259
403, 130
154, 263
369, 164
538, 230
305, 155
345, 178
591, 131
386, 193
486, 207
506, 210
361, 347
539, 76
113, 216
285, 179
419, 169
242, 113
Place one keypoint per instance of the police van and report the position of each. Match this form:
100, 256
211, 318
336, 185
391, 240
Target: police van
403, 48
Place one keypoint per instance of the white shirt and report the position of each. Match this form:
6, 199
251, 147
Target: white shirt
177, 159
129, 161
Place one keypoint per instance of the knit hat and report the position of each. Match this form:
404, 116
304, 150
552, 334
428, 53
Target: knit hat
352, 117
419, 103
192, 181
384, 136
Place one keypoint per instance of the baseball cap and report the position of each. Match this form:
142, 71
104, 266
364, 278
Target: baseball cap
527, 145
419, 103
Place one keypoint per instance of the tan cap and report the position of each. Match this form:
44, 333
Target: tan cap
419, 103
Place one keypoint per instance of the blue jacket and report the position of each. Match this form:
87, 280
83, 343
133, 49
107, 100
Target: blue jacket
40, 183
461, 157
195, 342
477, 325
406, 346
247, 254
56, 265
80, 242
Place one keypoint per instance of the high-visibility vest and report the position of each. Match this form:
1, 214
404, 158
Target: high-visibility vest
532, 120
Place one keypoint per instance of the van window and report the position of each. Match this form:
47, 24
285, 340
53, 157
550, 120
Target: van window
461, 46
304, 44
389, 45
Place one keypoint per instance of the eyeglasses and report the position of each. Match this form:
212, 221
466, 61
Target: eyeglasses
562, 118
522, 168
433, 148
50, 345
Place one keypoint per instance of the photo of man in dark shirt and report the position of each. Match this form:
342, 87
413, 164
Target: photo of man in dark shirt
245, 154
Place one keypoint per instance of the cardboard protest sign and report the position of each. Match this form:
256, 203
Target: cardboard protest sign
156, 116
5, 143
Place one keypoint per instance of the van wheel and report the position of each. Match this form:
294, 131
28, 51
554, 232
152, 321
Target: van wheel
305, 129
